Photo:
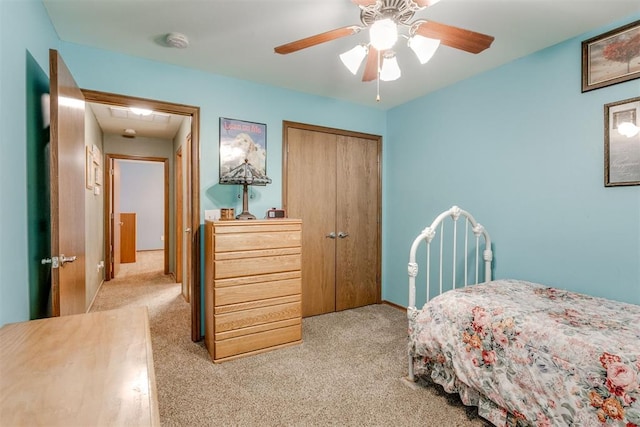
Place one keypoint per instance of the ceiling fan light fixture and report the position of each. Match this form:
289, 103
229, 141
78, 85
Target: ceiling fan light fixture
423, 47
353, 58
390, 69
140, 111
383, 34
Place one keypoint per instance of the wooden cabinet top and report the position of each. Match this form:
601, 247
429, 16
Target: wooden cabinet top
85, 369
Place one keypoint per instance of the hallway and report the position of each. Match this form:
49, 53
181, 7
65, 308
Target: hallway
140, 283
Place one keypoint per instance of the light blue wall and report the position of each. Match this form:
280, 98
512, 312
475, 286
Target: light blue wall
25, 26
25, 30
521, 148
219, 96
142, 193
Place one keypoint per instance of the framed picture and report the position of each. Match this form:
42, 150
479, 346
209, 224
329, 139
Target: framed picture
611, 58
240, 140
622, 143
98, 174
89, 169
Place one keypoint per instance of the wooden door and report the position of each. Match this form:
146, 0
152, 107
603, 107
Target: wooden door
67, 188
116, 222
311, 188
332, 182
127, 237
357, 214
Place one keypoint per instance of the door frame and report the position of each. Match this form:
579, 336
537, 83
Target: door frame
193, 178
178, 180
108, 192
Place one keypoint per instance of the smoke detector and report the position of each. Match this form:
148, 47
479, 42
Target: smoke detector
129, 133
177, 40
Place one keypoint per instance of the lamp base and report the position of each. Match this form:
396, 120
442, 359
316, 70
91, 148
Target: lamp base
245, 215
245, 204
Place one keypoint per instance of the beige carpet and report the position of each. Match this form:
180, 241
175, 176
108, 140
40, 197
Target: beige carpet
347, 372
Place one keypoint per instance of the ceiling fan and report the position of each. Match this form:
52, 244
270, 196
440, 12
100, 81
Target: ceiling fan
386, 19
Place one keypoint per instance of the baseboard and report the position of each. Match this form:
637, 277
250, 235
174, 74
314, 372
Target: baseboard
399, 307
94, 296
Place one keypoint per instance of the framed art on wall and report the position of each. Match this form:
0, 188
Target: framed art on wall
240, 140
90, 173
612, 57
622, 143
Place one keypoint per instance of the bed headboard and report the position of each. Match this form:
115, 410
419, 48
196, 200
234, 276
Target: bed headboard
428, 235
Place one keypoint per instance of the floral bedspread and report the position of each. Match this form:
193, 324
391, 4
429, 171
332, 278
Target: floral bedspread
532, 355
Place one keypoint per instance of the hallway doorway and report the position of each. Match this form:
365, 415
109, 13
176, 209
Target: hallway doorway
137, 202
191, 211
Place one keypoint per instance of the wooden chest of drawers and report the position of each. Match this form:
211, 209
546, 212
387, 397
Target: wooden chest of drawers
252, 286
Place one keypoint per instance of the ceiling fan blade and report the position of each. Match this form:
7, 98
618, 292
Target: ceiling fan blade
364, 2
455, 37
371, 67
317, 39
425, 3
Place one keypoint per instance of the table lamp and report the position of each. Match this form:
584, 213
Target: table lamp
245, 174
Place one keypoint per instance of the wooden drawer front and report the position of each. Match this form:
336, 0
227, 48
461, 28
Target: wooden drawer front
256, 316
249, 241
254, 266
257, 341
221, 309
260, 253
256, 291
250, 280
268, 226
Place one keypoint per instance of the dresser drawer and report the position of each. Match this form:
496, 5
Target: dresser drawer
257, 341
255, 316
250, 241
256, 291
260, 265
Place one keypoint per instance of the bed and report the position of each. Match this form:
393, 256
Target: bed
523, 353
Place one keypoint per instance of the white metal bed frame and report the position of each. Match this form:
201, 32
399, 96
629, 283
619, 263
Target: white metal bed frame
428, 235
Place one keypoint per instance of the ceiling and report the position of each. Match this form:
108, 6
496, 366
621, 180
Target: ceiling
236, 38
114, 120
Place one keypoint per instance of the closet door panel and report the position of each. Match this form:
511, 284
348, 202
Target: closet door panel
311, 189
358, 212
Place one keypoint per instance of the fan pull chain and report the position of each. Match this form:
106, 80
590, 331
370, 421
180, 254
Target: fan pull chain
378, 80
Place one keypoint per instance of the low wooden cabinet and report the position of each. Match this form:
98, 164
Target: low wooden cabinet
253, 283
93, 369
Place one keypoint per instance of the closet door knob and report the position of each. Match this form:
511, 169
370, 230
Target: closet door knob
342, 235
331, 235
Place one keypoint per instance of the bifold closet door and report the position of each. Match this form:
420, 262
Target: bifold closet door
311, 195
357, 228
333, 184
